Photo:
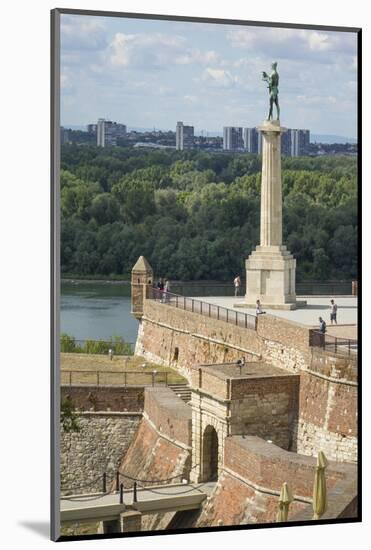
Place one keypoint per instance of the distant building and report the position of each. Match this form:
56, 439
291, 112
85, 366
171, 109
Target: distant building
232, 138
109, 132
65, 136
184, 136
295, 143
299, 142
286, 144
252, 140
92, 129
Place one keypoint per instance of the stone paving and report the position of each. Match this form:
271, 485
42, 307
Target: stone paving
308, 315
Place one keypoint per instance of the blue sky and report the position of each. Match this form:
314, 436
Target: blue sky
153, 73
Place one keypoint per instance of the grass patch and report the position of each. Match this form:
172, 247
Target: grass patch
81, 528
83, 368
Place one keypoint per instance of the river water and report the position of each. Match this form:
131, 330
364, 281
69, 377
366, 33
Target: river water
97, 311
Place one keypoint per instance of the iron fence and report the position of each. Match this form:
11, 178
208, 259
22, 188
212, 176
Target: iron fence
220, 313
334, 344
122, 378
304, 288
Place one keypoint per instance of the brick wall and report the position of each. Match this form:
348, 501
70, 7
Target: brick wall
170, 415
104, 398
268, 409
201, 339
252, 476
152, 457
326, 417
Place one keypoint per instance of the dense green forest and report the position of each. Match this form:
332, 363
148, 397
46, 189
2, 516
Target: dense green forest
195, 215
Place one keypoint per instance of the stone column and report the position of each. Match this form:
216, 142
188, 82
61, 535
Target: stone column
271, 186
270, 269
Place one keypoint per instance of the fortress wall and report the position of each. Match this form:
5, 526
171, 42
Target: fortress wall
201, 339
327, 418
234, 502
153, 457
252, 476
210, 382
162, 445
98, 447
170, 415
268, 407
104, 398
327, 408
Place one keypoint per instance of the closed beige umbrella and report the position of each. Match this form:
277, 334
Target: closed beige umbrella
283, 504
319, 487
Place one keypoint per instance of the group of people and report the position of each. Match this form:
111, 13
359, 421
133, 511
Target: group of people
163, 288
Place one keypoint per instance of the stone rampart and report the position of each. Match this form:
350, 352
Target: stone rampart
104, 398
251, 479
326, 415
103, 438
169, 414
182, 338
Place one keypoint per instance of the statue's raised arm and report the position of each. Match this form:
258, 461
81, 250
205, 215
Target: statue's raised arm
272, 80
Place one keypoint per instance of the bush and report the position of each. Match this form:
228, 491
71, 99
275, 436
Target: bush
99, 347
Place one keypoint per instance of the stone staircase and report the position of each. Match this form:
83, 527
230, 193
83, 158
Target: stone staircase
182, 390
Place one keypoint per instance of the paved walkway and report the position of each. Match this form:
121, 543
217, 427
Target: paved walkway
308, 315
157, 499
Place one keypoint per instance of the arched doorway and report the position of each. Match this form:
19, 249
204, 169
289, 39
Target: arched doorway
210, 455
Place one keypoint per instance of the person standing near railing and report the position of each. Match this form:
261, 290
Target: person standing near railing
166, 291
322, 332
333, 314
159, 288
322, 325
237, 284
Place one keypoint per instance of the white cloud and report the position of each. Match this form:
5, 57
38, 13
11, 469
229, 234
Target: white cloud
219, 77
292, 43
190, 98
82, 33
157, 49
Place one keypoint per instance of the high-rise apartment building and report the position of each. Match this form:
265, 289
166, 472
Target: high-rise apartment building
232, 138
109, 132
92, 129
295, 143
184, 136
252, 140
64, 133
299, 142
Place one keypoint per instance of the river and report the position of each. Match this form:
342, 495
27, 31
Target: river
97, 311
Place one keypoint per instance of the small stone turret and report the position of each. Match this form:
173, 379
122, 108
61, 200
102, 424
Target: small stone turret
141, 283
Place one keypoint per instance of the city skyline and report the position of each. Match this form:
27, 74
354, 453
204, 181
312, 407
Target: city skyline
140, 71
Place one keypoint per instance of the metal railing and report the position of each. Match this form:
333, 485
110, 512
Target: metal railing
220, 313
334, 344
304, 288
108, 377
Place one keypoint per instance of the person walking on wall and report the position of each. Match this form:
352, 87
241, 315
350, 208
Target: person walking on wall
259, 310
333, 314
237, 284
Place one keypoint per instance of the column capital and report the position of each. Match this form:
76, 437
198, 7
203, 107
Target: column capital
272, 126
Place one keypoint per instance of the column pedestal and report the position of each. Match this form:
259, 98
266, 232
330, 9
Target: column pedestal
270, 278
